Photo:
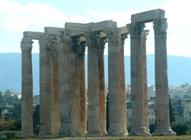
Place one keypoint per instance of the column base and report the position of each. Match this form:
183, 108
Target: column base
40, 134
140, 132
62, 134
78, 134
163, 132
48, 135
65, 132
24, 135
117, 133
96, 133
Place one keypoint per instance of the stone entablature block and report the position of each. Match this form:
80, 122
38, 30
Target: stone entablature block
148, 16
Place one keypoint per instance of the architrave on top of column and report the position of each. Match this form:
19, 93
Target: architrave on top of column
76, 29
33, 35
147, 16
53, 30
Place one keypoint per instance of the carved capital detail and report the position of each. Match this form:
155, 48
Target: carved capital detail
78, 44
115, 37
97, 40
52, 40
63, 38
135, 29
26, 44
160, 26
124, 36
144, 34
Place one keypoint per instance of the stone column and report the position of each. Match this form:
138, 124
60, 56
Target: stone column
45, 101
27, 88
96, 87
144, 74
65, 85
117, 96
78, 108
72, 87
161, 79
82, 96
55, 106
138, 125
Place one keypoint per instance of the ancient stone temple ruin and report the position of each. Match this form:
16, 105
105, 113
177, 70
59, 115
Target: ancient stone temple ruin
66, 109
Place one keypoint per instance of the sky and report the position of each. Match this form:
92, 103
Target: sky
17, 16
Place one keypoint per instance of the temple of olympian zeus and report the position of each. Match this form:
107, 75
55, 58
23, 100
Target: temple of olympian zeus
65, 107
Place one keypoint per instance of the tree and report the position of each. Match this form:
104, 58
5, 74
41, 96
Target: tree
15, 113
172, 119
1, 98
180, 129
189, 128
107, 111
36, 119
152, 128
7, 126
9, 101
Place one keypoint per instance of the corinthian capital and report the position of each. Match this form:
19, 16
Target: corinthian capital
135, 29
160, 25
78, 44
52, 40
26, 44
144, 34
97, 40
116, 37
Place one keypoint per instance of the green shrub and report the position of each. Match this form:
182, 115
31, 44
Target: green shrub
152, 128
7, 126
180, 129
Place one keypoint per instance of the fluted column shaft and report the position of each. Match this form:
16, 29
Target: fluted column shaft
54, 80
78, 106
65, 87
49, 97
117, 96
96, 87
27, 88
161, 79
83, 97
72, 87
144, 74
138, 125
45, 100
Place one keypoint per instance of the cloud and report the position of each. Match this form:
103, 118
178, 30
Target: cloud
18, 17
178, 13
122, 17
10, 7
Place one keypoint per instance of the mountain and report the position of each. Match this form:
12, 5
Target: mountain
10, 70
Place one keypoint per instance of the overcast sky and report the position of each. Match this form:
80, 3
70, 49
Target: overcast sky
17, 16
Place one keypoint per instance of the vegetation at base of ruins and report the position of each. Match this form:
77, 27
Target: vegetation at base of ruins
152, 128
7, 126
10, 111
12, 121
123, 138
172, 119
182, 128
36, 119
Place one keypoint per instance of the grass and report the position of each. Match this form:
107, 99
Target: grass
118, 138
